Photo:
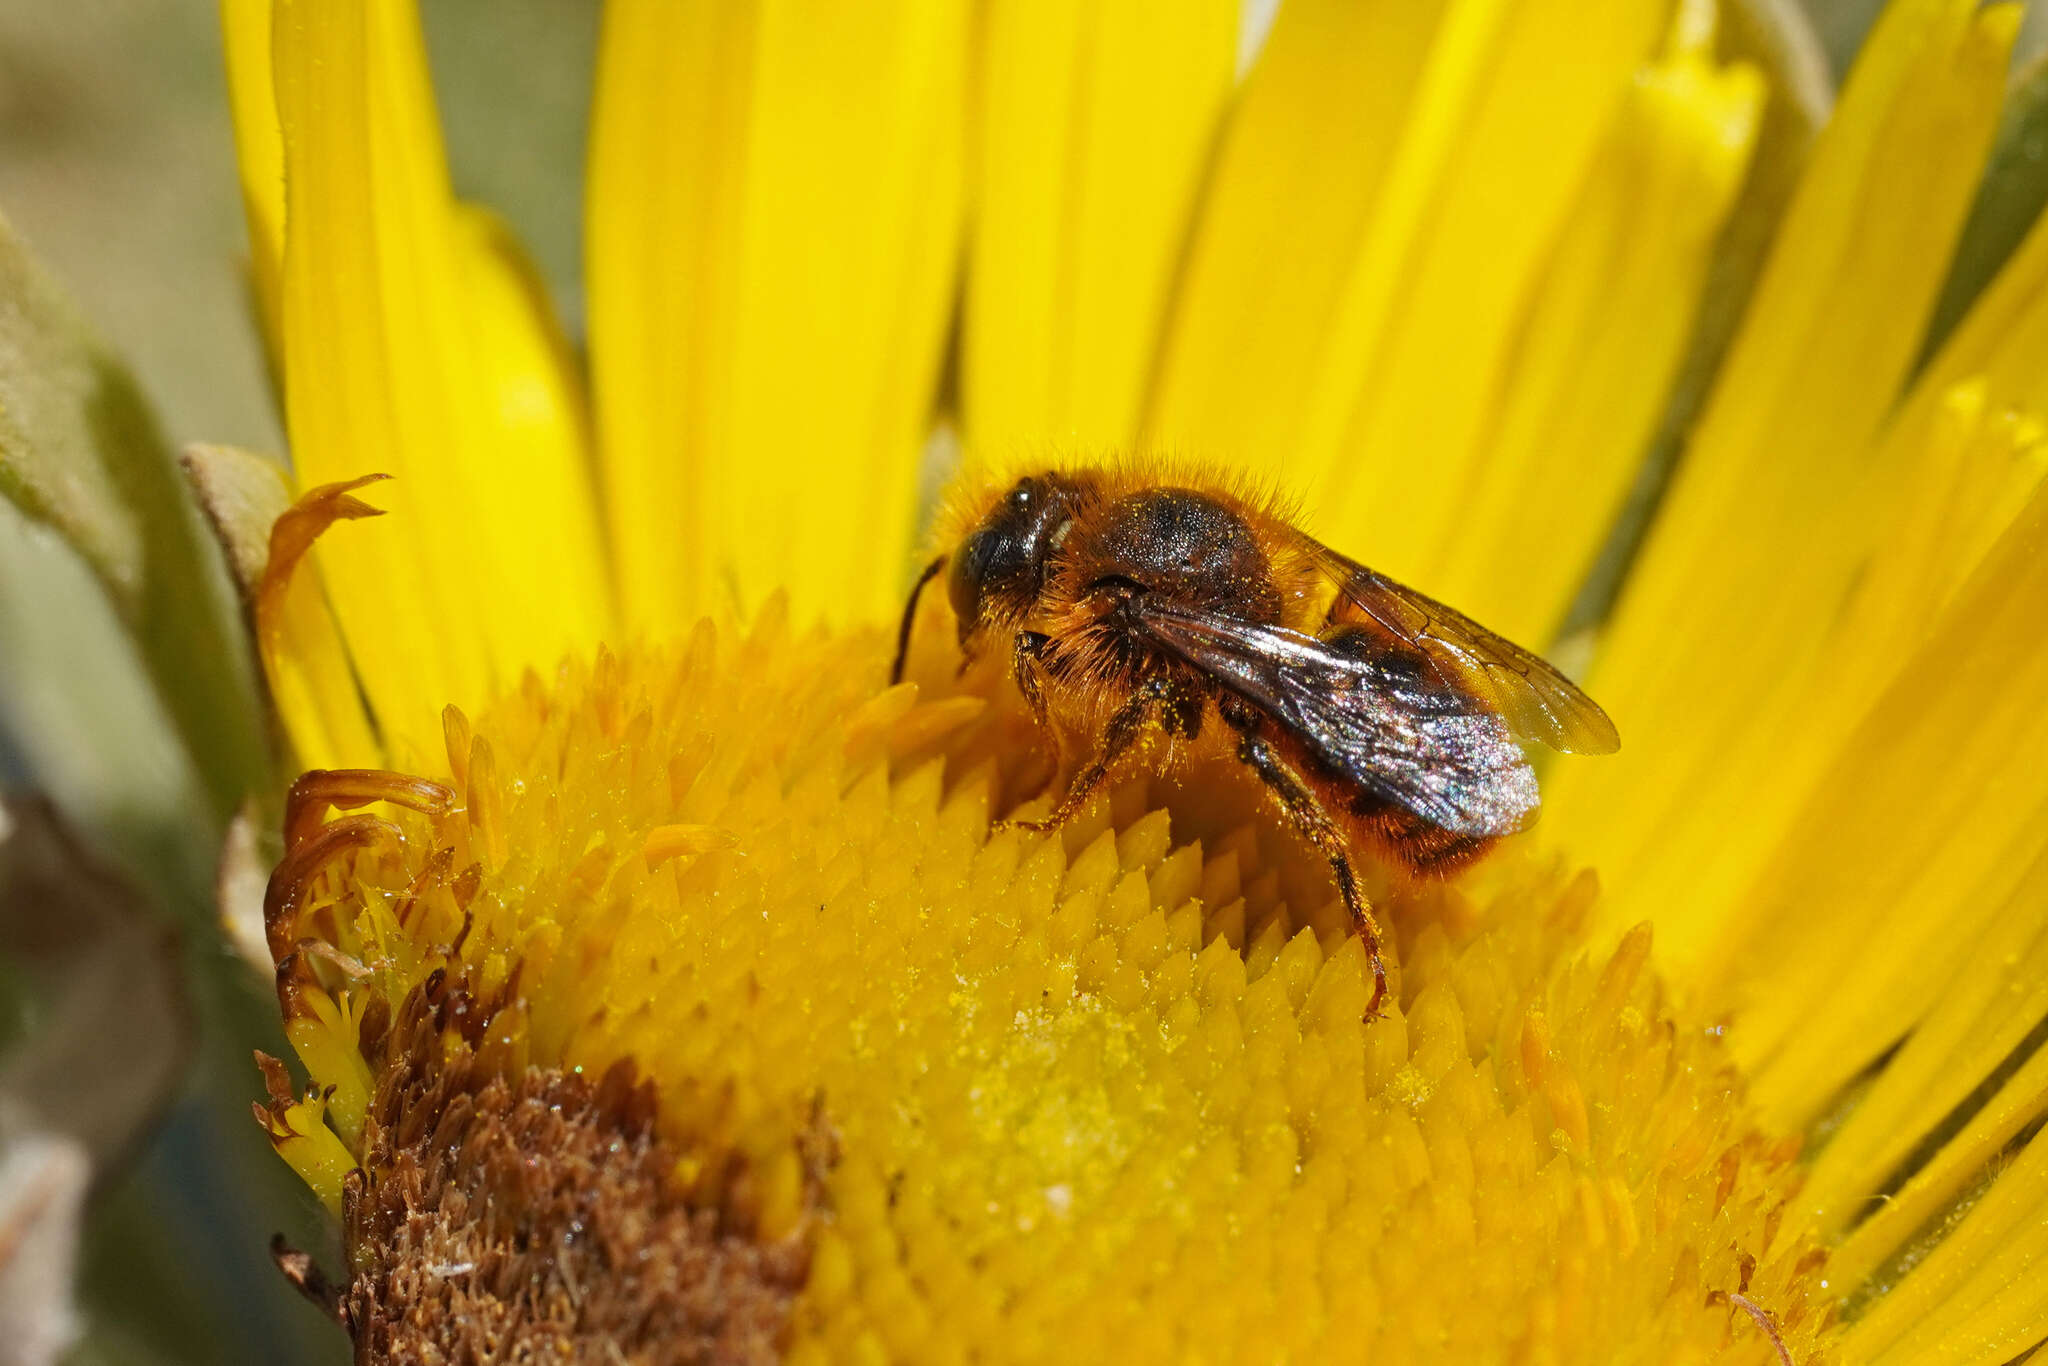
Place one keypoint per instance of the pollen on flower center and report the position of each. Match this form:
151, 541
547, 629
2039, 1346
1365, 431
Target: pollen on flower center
1099, 1096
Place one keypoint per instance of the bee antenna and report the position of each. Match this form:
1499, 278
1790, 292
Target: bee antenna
931, 571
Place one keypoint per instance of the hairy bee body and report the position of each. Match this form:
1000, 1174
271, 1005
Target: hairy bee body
1153, 619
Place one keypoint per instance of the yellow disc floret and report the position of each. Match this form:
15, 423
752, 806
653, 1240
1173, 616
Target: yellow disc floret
1106, 1095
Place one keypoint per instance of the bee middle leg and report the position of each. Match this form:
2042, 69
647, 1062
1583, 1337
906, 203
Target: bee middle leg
1257, 753
1165, 705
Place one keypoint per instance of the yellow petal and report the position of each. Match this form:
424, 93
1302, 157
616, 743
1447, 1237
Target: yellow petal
1427, 316
1807, 854
1980, 1298
312, 683
1885, 882
1767, 521
1429, 269
1333, 87
259, 151
1094, 123
1955, 486
773, 211
325, 1035
549, 589
1982, 1017
1599, 345
1957, 461
300, 1134
404, 335
673, 85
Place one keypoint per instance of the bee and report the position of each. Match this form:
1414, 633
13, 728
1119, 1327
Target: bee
1140, 614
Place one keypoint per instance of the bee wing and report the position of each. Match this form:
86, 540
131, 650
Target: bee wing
1537, 701
1373, 713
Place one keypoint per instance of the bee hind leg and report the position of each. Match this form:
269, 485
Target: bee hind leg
1258, 754
1164, 705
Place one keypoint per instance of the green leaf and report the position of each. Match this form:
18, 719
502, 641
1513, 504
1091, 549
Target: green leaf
81, 453
81, 712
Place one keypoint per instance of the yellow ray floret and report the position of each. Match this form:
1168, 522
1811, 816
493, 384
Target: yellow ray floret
1106, 1095
1429, 289
1331, 88
413, 343
304, 657
1768, 520
1981, 1021
1427, 311
1914, 868
259, 152
773, 213
1593, 355
1093, 128
1906, 899
1978, 1299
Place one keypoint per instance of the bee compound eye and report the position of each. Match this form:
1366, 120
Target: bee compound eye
970, 572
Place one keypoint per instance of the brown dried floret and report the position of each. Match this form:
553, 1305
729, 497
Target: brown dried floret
534, 1217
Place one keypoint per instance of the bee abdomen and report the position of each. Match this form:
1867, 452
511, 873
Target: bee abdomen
1426, 848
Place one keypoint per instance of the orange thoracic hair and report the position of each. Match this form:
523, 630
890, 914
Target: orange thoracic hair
976, 488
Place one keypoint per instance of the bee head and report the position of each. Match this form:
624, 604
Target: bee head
1001, 566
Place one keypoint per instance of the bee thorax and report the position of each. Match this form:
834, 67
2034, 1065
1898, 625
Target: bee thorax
1178, 546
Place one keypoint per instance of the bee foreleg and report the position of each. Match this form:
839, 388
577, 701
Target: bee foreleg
1258, 754
1025, 662
1024, 655
1164, 704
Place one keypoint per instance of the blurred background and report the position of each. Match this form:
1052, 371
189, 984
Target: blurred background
116, 167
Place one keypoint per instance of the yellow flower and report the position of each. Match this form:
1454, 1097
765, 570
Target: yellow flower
680, 1004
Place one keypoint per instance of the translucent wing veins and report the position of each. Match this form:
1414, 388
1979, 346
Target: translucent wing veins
1537, 701
1376, 716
